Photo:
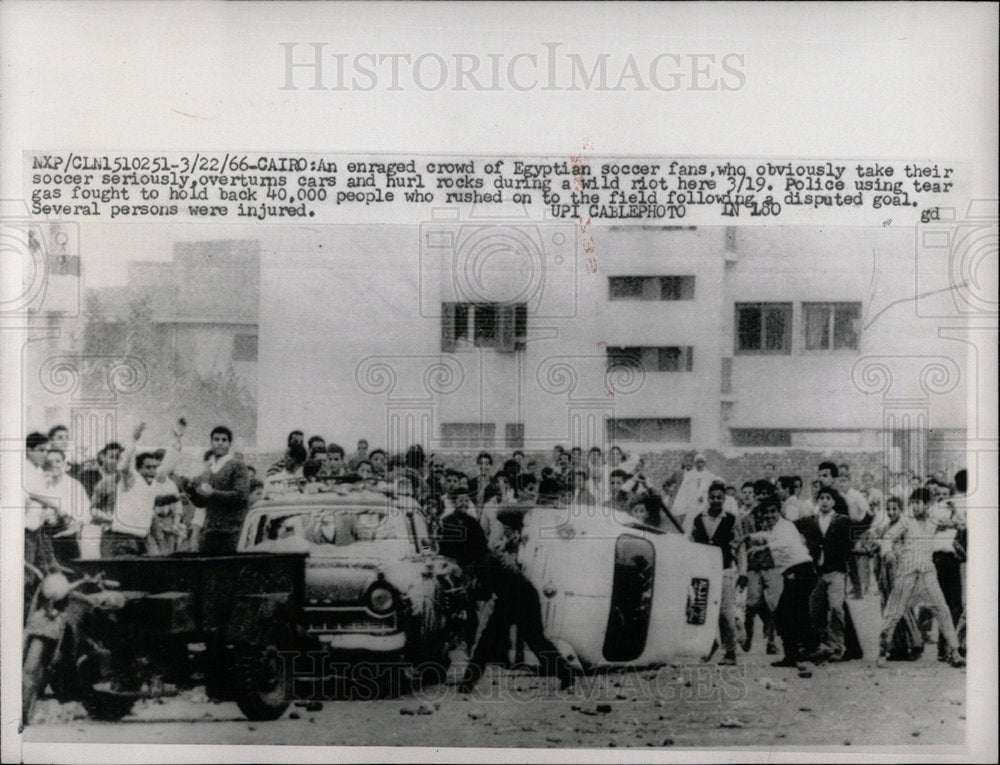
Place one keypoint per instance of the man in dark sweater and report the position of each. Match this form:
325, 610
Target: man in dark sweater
517, 601
223, 490
828, 537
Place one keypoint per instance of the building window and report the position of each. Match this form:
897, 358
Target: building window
514, 436
764, 328
651, 287
652, 358
760, 437
244, 347
650, 429
503, 326
469, 435
832, 326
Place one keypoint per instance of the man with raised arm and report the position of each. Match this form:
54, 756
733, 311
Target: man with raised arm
134, 506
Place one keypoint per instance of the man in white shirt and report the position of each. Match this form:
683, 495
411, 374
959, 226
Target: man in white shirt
858, 510
38, 508
135, 505
792, 508
792, 559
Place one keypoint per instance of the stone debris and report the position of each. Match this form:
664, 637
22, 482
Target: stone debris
477, 714
731, 722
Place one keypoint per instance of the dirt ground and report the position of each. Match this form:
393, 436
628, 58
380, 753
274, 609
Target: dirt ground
694, 705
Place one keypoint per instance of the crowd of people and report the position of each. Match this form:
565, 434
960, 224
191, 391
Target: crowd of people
793, 553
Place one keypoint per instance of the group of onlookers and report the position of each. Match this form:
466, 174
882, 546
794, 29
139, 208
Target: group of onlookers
130, 501
795, 561
792, 554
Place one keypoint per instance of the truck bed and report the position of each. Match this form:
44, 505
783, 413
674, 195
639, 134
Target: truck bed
214, 583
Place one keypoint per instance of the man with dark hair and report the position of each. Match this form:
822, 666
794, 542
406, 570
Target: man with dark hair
762, 489
792, 508
223, 489
105, 491
333, 464
770, 472
59, 438
861, 516
790, 558
617, 497
360, 454
527, 488
908, 544
312, 481
287, 479
481, 486
949, 551
136, 501
826, 473
719, 529
516, 600
37, 507
757, 579
747, 499
71, 508
295, 438
828, 537
380, 463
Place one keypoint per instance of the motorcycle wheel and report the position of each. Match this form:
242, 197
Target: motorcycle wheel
33, 675
261, 678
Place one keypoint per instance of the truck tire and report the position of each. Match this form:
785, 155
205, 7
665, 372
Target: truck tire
34, 669
107, 707
262, 678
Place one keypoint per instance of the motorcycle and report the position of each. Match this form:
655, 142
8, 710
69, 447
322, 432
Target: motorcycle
55, 610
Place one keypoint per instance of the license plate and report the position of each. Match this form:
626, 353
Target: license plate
697, 601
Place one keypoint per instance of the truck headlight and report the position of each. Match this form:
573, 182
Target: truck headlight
381, 599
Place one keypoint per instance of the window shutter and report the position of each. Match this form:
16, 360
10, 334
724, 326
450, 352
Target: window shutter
448, 328
506, 337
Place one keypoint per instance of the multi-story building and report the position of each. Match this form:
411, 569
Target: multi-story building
463, 334
179, 337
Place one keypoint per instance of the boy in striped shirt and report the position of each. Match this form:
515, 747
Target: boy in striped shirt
909, 543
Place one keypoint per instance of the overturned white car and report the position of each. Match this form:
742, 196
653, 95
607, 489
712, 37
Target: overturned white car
617, 592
